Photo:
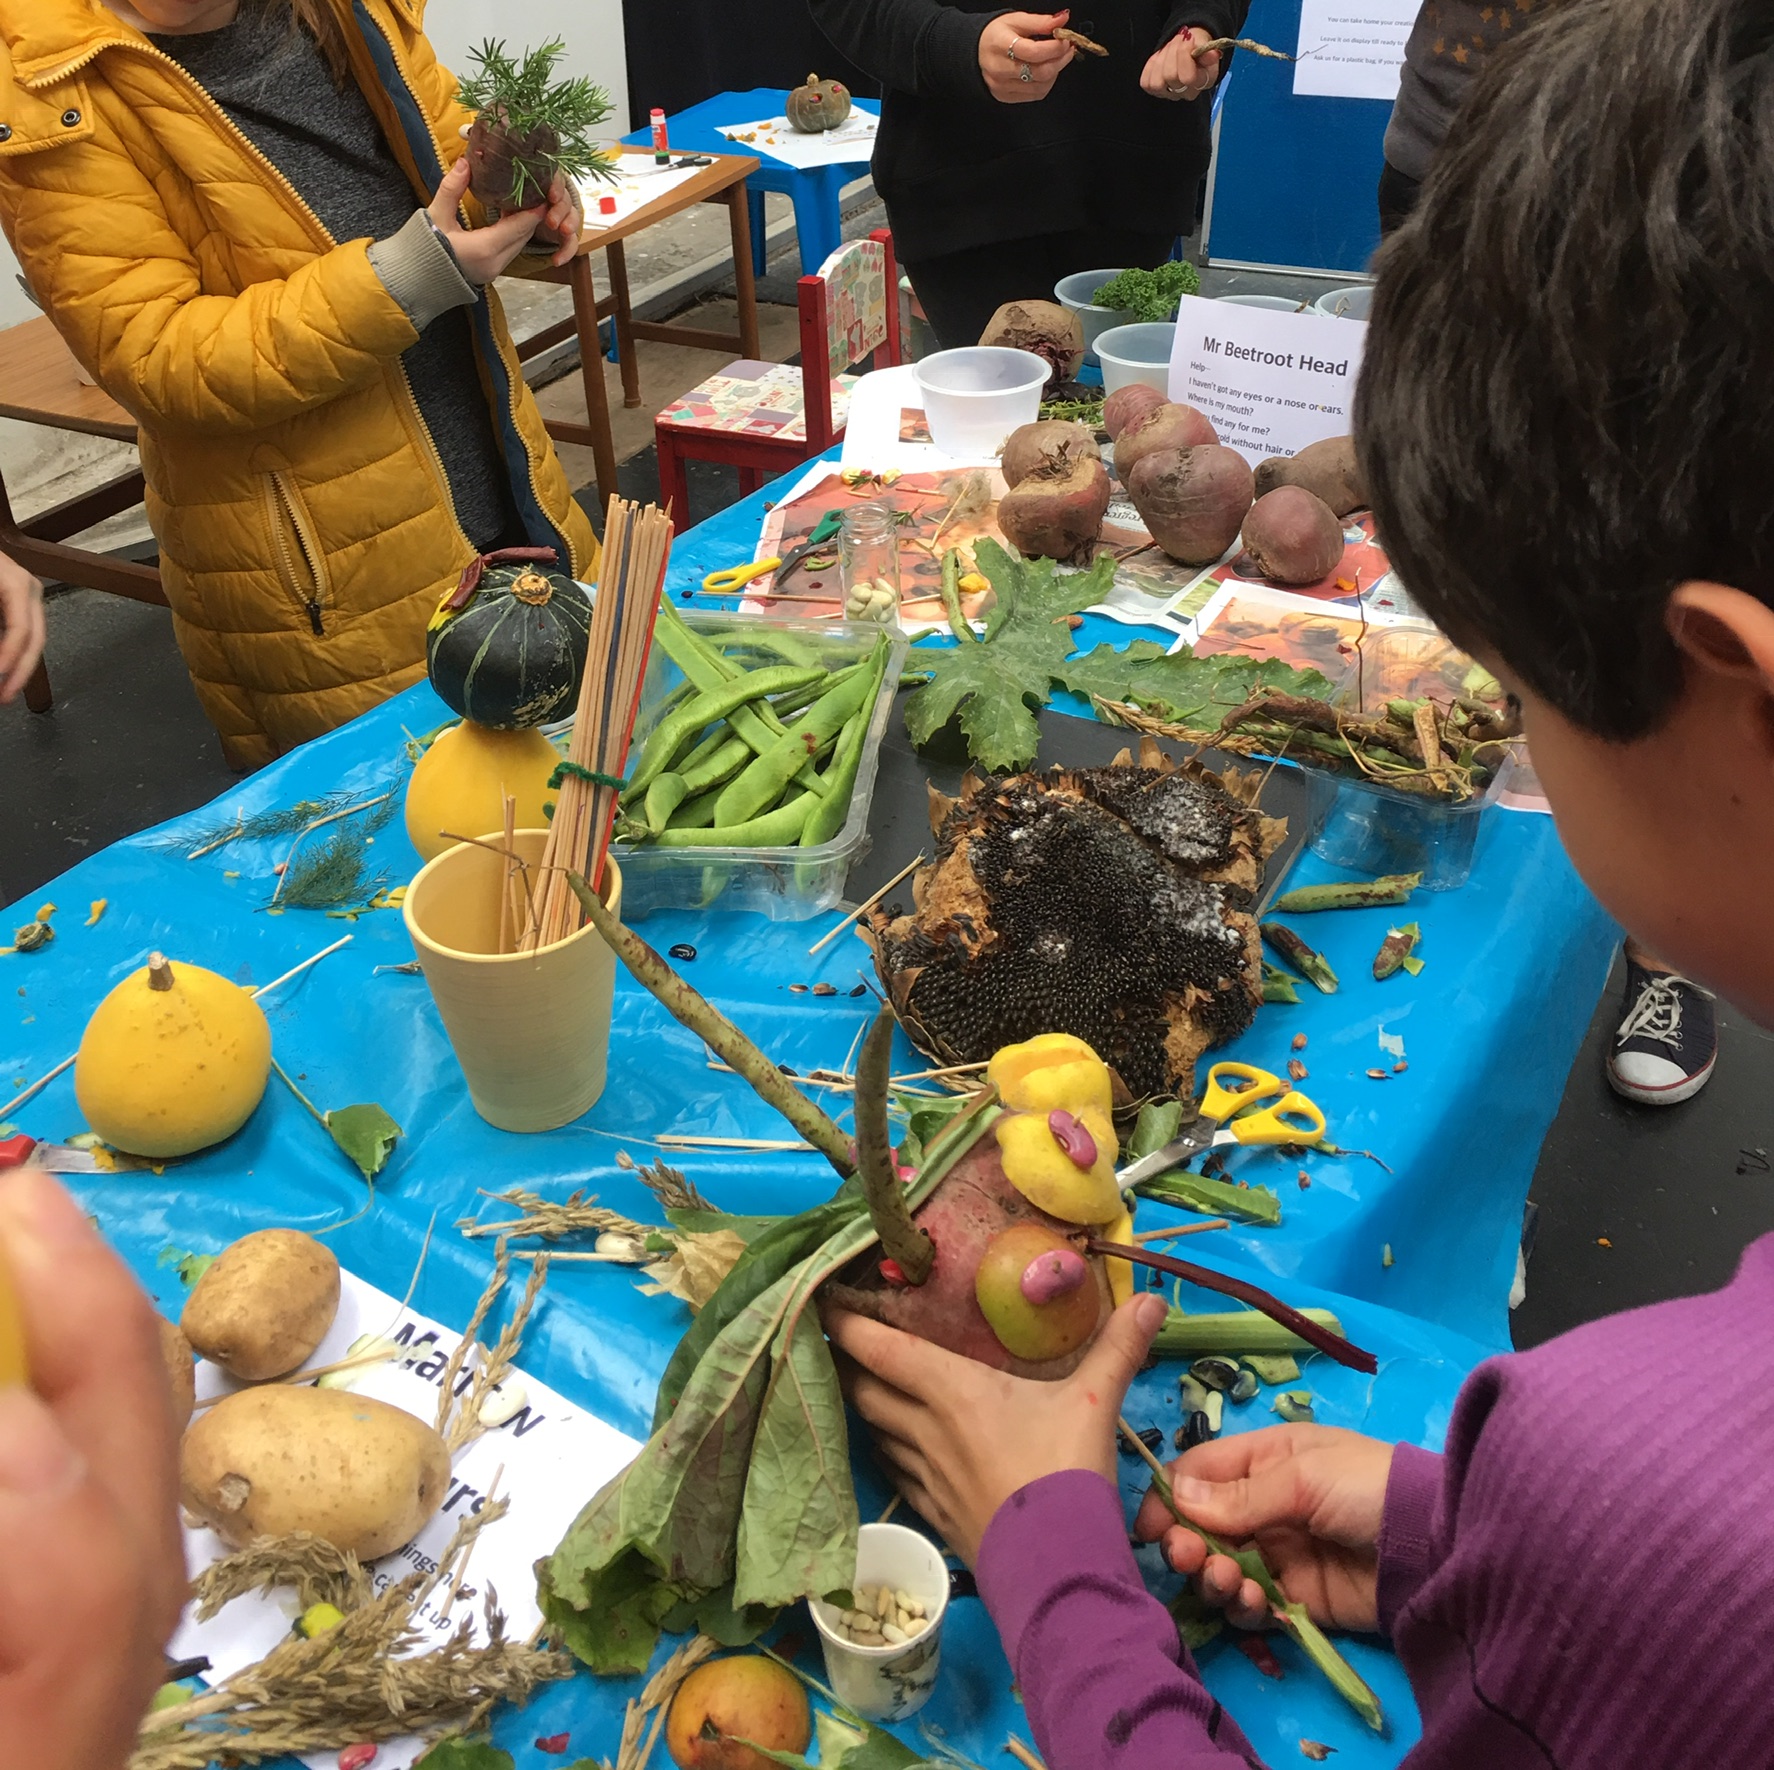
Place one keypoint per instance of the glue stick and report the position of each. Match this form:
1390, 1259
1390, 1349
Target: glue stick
661, 142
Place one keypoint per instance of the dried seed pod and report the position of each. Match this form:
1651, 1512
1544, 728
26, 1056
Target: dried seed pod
1215, 1373
1295, 1407
1398, 952
1311, 965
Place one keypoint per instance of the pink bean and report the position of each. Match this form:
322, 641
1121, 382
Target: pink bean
1073, 1138
1053, 1275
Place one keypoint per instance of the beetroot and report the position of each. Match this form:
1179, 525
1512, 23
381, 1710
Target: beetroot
1192, 500
1328, 468
1045, 446
1167, 426
1057, 511
1127, 403
1044, 327
1292, 536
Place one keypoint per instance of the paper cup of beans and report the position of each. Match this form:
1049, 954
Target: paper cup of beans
882, 1655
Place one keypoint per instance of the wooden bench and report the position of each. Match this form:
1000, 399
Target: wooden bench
40, 383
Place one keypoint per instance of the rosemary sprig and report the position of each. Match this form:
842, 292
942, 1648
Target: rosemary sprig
547, 120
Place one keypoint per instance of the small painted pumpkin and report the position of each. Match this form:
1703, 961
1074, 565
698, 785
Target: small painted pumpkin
819, 105
507, 646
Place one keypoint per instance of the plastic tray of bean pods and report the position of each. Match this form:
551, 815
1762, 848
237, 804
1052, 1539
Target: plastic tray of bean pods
786, 884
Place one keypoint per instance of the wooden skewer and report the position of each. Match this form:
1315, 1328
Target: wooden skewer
37, 1086
667, 1140
555, 1256
1022, 1754
265, 989
1146, 1235
506, 885
863, 908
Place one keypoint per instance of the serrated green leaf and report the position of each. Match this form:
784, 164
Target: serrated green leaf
697, 1222
617, 1625
465, 1754
714, 1614
997, 684
1181, 686
367, 1134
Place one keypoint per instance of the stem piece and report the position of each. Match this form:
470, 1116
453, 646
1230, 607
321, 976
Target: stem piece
159, 972
951, 597
1332, 1345
1293, 1619
1236, 1334
1349, 894
319, 1116
901, 1239
716, 1031
1311, 964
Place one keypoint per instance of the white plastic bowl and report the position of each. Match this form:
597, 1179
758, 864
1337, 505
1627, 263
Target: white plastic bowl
1276, 303
1077, 294
1137, 353
1346, 304
975, 396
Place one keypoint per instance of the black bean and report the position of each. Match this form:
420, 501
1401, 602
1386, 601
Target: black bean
862, 989
683, 951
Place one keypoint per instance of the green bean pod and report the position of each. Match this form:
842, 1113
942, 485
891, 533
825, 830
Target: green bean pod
664, 796
765, 780
707, 707
834, 808
780, 828
718, 767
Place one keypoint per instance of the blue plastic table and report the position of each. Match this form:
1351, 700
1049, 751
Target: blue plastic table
814, 191
1515, 961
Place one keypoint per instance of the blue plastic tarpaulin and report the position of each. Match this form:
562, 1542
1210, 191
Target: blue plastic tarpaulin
1514, 962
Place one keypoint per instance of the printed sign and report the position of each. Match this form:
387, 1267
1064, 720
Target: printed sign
1270, 381
1352, 48
548, 1458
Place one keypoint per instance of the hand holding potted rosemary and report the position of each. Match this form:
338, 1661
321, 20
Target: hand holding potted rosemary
530, 128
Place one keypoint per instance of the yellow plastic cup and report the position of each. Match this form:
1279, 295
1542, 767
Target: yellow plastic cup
530, 1030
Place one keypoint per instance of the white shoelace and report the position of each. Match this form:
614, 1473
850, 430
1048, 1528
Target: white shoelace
1656, 1015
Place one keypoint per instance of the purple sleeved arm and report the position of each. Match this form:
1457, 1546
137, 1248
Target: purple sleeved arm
1107, 1683
1406, 1548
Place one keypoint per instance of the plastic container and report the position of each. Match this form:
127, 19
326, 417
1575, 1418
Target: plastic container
975, 396
1373, 829
893, 1682
1275, 303
1131, 354
1346, 304
530, 1030
785, 884
1077, 294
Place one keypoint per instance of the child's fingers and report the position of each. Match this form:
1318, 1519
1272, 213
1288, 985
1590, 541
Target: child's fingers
1115, 1360
914, 1367
450, 191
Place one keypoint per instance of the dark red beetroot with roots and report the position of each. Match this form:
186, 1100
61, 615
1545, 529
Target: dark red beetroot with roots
1193, 500
493, 160
973, 1205
1126, 404
1166, 426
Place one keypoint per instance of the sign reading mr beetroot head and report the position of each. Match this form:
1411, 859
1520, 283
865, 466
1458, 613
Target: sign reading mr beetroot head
1270, 381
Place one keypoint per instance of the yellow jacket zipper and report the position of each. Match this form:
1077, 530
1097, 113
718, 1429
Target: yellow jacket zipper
288, 507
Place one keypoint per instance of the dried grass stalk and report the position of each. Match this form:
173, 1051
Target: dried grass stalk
320, 1572
552, 1218
638, 1738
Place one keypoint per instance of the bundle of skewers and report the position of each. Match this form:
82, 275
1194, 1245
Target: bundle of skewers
538, 907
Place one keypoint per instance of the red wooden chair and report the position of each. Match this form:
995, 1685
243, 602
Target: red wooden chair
764, 418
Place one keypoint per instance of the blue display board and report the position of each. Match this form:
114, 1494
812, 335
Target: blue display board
1294, 178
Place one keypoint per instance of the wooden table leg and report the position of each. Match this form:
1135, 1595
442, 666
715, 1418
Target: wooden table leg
630, 364
591, 357
744, 283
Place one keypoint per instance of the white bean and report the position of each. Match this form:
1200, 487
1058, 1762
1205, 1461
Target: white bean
894, 1633
916, 1627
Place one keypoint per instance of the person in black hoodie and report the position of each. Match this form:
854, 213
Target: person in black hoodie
1008, 159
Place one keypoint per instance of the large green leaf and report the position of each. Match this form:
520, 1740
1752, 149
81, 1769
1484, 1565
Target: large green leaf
1180, 686
771, 1254
797, 1532
366, 1133
997, 684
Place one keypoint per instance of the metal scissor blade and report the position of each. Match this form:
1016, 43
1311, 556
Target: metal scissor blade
1203, 1134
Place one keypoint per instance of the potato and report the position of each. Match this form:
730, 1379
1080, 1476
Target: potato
1166, 426
1057, 511
1127, 403
1328, 469
1044, 446
365, 1476
181, 1372
265, 1304
1292, 537
1193, 500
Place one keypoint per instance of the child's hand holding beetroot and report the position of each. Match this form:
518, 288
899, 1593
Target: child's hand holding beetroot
1311, 1497
961, 1438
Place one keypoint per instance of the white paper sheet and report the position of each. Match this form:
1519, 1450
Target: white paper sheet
776, 138
549, 1459
1271, 382
1352, 48
641, 180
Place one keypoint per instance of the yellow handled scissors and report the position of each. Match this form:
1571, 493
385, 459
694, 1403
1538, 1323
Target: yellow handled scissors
1231, 1114
736, 577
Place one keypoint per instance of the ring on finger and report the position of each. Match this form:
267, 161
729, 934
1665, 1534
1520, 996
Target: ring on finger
1013, 43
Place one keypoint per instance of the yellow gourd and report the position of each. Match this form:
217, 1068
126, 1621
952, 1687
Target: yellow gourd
459, 784
174, 1059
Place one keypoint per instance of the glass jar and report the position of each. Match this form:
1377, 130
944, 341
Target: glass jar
868, 563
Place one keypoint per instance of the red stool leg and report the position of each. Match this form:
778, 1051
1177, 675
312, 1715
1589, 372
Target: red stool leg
674, 479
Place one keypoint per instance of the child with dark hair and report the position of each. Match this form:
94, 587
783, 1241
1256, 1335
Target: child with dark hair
1563, 414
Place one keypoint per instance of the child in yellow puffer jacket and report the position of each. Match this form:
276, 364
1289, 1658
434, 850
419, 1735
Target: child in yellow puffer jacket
245, 218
